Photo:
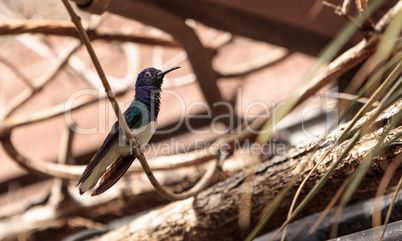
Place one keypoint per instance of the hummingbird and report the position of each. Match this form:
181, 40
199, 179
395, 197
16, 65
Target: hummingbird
115, 155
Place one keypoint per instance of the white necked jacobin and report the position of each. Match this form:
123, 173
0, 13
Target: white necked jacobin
115, 155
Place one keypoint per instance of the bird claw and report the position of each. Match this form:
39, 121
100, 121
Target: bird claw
138, 145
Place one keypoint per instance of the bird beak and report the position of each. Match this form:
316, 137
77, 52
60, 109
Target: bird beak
166, 71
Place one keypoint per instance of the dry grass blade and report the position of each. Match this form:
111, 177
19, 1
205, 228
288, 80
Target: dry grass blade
398, 188
388, 174
348, 97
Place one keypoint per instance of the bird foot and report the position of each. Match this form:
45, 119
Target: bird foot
138, 145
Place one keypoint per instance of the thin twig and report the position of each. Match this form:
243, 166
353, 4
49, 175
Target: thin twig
337, 8
345, 7
349, 97
59, 193
65, 153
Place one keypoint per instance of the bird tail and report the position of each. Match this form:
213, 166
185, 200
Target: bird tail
92, 173
114, 173
98, 167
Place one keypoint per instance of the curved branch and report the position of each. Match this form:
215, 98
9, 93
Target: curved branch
73, 172
41, 168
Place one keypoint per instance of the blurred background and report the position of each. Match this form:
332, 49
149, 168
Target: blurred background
258, 52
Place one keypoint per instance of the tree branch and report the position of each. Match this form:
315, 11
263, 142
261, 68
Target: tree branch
62, 28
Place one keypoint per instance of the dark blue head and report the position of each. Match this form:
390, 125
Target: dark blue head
148, 86
151, 78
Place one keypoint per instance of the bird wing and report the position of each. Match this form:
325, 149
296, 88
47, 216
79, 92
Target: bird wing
133, 116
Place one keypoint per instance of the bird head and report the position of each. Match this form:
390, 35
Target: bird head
152, 78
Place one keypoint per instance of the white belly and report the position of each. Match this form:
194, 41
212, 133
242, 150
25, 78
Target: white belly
143, 135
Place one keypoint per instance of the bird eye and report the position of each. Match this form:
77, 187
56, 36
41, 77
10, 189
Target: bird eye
147, 74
